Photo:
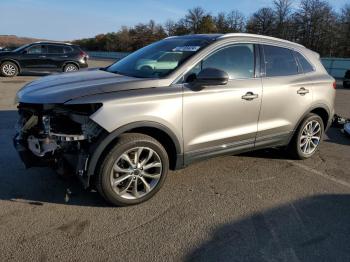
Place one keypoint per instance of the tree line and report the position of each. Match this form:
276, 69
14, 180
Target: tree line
312, 23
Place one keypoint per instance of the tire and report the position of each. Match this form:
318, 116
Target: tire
70, 67
346, 84
9, 69
123, 192
304, 143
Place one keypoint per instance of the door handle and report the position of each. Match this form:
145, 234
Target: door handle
250, 96
64, 56
302, 91
42, 56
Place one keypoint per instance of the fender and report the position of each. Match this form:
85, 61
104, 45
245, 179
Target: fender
106, 140
313, 107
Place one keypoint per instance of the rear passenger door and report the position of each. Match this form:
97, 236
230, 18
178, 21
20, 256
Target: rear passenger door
56, 56
287, 95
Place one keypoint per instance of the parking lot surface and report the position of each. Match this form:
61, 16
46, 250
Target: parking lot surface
260, 206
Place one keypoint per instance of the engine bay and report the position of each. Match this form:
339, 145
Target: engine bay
56, 135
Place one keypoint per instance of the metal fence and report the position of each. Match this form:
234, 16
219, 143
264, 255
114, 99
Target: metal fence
336, 67
109, 55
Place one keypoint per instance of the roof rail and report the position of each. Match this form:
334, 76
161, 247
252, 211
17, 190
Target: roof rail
51, 42
258, 36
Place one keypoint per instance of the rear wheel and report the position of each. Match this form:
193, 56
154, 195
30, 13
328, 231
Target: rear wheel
9, 69
133, 171
70, 68
307, 137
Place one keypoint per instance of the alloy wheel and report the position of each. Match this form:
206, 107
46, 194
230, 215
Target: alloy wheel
9, 70
136, 173
310, 137
71, 68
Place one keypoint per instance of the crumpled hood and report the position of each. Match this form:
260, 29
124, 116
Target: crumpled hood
64, 87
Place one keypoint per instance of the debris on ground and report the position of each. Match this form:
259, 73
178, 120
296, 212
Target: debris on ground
341, 122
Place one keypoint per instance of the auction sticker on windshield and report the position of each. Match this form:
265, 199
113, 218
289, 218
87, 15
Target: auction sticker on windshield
186, 48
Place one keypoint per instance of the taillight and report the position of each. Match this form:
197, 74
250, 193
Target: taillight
334, 84
82, 53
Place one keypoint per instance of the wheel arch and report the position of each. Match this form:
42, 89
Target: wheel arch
319, 109
158, 131
323, 113
70, 62
13, 61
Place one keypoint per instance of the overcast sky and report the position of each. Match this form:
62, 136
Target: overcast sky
73, 19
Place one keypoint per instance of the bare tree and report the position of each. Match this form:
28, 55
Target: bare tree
194, 17
283, 10
262, 22
170, 27
344, 32
235, 21
221, 23
315, 23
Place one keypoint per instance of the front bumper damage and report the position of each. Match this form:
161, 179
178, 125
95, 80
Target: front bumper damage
57, 136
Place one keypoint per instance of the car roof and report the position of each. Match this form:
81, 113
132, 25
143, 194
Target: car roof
52, 42
214, 37
209, 37
263, 37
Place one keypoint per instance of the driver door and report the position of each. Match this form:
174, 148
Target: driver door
222, 118
35, 57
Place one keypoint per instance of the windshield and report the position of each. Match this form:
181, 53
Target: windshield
158, 59
20, 48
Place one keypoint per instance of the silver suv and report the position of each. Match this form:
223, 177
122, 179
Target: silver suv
121, 128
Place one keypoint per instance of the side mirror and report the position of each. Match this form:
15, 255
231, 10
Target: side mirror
211, 77
24, 52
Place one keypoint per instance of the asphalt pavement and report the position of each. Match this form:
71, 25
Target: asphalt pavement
259, 206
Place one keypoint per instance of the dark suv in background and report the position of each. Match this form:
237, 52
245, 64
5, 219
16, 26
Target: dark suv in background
346, 81
42, 56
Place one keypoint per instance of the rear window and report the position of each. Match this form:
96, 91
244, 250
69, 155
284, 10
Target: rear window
279, 61
305, 65
55, 49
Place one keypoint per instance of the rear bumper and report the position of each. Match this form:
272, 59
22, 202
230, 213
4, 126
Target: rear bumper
83, 65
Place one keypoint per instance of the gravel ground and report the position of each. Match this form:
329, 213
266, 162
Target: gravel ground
259, 206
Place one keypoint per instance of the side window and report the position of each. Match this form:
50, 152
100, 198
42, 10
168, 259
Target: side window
279, 61
55, 49
67, 49
36, 49
237, 61
305, 65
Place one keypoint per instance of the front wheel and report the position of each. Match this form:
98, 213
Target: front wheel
9, 69
307, 137
133, 171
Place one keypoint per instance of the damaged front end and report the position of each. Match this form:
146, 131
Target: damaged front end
56, 135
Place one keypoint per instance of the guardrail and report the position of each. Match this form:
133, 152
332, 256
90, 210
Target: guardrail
108, 55
336, 67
